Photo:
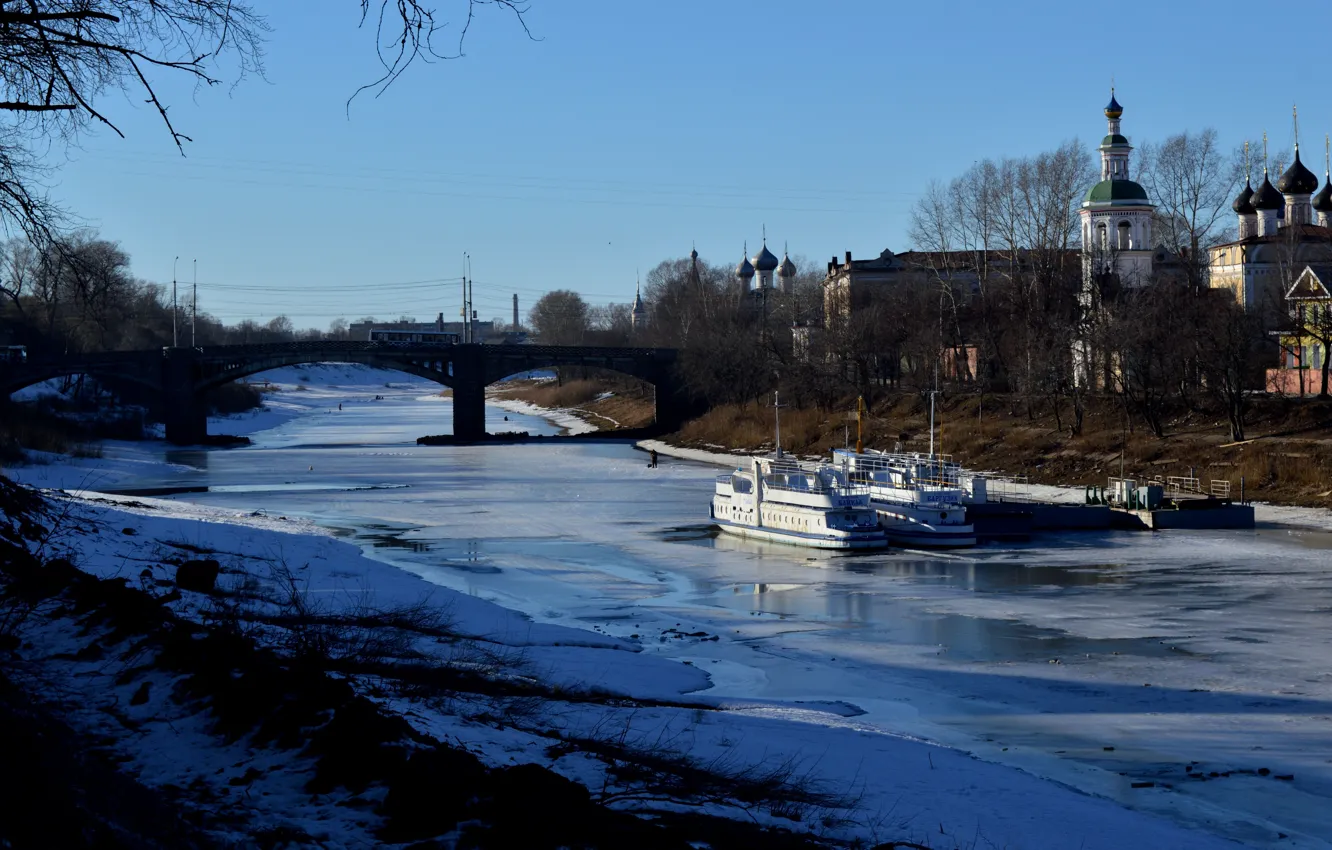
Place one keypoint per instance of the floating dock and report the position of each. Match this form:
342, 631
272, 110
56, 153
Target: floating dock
1176, 503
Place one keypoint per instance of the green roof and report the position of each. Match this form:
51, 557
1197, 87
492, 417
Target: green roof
1114, 139
1124, 192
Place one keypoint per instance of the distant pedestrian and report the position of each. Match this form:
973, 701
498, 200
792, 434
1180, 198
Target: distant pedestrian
652, 458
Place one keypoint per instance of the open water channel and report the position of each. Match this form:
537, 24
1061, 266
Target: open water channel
1200, 662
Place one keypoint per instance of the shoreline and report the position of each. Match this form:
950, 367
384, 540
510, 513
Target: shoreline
1265, 513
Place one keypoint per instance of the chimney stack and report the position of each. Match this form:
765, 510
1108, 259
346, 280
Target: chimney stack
515, 311
848, 258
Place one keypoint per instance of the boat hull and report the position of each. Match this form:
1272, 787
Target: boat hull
809, 541
902, 531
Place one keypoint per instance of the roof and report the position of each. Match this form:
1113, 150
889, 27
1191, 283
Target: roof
1244, 200
1311, 236
1117, 192
1114, 139
1113, 109
1311, 283
1267, 197
1297, 180
1322, 202
765, 260
787, 268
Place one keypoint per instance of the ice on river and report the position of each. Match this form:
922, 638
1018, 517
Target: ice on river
1051, 678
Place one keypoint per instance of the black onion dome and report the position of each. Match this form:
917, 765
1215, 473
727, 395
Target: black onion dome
1113, 109
765, 260
1267, 197
1244, 201
744, 270
1322, 202
1297, 180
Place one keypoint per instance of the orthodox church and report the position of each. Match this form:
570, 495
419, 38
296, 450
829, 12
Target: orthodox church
755, 275
1116, 214
1281, 232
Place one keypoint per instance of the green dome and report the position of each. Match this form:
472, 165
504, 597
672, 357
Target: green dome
1114, 139
1124, 192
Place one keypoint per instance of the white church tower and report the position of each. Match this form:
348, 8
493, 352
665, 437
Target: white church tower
1116, 214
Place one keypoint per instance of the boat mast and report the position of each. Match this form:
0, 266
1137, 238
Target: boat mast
932, 392
860, 409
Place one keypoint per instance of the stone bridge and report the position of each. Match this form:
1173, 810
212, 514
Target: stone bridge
179, 377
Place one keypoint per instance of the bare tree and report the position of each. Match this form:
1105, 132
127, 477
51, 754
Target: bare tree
1192, 182
61, 59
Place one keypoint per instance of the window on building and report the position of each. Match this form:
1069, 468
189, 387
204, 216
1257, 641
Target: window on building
1125, 237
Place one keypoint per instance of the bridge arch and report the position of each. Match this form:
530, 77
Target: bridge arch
436, 371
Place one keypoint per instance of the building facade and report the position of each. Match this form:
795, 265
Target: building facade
1116, 215
1282, 231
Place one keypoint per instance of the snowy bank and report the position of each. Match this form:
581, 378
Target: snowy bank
875, 786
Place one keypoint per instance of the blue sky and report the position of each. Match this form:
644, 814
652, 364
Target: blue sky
632, 130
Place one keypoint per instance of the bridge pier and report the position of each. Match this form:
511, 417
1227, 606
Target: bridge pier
186, 422
469, 393
673, 406
185, 413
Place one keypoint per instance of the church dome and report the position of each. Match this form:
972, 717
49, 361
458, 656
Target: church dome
693, 253
787, 268
1244, 200
1267, 197
744, 271
765, 260
1113, 109
1297, 180
1118, 193
1322, 202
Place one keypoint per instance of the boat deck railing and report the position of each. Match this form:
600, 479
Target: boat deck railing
1007, 488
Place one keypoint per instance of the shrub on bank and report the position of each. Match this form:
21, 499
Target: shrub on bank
235, 397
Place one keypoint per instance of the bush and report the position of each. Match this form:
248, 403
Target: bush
234, 398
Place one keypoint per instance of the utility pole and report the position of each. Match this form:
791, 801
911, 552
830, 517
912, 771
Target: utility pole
175, 341
471, 308
463, 311
194, 307
515, 312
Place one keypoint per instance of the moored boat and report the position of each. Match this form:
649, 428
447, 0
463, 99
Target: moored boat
778, 500
918, 498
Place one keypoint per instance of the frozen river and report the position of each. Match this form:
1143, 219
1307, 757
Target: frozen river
1200, 662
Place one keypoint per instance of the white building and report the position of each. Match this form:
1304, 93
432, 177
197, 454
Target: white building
1116, 215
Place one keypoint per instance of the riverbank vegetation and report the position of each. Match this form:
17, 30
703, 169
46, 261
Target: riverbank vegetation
1286, 460
606, 400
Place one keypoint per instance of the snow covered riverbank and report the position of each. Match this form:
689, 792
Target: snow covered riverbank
903, 788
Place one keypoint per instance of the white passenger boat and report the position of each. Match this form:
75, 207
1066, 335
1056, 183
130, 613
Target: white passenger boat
778, 500
918, 498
